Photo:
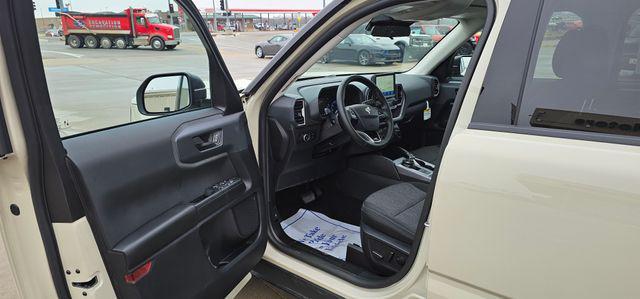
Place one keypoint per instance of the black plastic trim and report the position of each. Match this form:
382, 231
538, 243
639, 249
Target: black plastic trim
157, 233
528, 61
502, 82
305, 256
5, 142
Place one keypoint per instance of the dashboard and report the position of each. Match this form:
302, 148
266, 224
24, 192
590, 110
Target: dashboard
305, 135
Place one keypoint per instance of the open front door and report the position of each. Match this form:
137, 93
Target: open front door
175, 202
189, 218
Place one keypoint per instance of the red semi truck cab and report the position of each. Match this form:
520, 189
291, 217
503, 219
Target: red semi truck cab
133, 27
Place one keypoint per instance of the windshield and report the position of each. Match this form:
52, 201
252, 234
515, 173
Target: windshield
153, 19
361, 39
362, 53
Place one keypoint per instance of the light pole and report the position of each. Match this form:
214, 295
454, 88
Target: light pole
226, 7
169, 14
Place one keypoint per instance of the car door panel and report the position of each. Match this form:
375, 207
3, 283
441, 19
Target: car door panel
152, 195
270, 46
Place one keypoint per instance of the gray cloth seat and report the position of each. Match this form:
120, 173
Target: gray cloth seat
394, 211
429, 154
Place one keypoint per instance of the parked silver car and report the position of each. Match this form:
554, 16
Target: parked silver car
272, 46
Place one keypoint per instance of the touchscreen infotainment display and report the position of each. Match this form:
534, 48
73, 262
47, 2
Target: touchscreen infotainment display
387, 84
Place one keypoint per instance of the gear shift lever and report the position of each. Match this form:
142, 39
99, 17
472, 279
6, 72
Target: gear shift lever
409, 159
407, 154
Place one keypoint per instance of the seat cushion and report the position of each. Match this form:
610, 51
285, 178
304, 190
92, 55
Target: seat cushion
395, 211
429, 154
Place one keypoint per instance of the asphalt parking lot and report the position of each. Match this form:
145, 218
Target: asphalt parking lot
93, 88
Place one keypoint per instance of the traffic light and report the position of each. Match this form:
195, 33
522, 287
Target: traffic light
171, 8
222, 5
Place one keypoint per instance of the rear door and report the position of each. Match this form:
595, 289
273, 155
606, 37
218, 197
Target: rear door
538, 184
174, 202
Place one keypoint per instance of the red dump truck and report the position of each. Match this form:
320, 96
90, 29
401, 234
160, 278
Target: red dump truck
133, 27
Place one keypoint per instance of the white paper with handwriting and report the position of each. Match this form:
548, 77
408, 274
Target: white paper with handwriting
322, 233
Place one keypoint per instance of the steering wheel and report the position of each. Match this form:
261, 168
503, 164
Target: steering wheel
370, 123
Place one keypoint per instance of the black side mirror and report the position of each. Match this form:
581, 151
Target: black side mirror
169, 93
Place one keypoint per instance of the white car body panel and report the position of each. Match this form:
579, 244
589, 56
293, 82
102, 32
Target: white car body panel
528, 216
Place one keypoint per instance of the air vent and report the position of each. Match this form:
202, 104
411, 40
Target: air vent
298, 112
435, 88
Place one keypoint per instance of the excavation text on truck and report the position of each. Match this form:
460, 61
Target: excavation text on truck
133, 27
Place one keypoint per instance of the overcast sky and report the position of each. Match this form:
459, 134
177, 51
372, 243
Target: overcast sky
120, 5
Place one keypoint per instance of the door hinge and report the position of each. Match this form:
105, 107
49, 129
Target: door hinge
244, 97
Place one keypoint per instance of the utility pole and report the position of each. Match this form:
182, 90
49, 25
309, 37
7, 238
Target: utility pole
215, 18
324, 3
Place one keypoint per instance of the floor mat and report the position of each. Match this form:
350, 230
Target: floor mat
322, 233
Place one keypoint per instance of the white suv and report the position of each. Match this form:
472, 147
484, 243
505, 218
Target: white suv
511, 173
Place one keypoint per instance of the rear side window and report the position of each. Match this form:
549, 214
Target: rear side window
560, 23
581, 73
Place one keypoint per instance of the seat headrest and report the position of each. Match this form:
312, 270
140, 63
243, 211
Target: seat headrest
581, 55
